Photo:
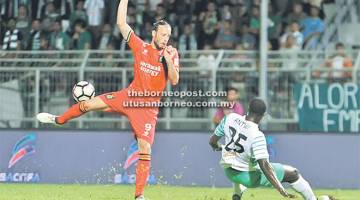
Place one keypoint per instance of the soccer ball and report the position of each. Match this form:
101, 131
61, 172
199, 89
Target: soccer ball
324, 197
83, 91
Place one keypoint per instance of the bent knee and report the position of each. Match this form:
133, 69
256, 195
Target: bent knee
84, 107
92, 104
291, 174
295, 173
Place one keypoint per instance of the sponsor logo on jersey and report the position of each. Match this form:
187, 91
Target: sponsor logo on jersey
150, 69
109, 96
145, 52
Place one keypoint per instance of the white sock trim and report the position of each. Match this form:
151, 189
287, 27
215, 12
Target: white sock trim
238, 188
303, 187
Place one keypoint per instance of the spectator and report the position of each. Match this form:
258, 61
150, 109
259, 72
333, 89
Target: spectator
247, 40
243, 60
110, 56
226, 13
185, 8
282, 5
13, 37
200, 6
171, 10
44, 43
23, 21
23, 25
275, 27
206, 60
316, 2
35, 32
106, 38
35, 9
2, 28
3, 10
289, 52
291, 43
146, 32
232, 96
64, 7
78, 14
49, 15
241, 16
160, 12
81, 38
338, 63
187, 40
170, 6
132, 18
297, 14
256, 3
294, 30
147, 14
308, 4
255, 22
49, 11
154, 3
312, 26
209, 25
94, 11
180, 12
110, 10
11, 7
226, 38
58, 39
206, 64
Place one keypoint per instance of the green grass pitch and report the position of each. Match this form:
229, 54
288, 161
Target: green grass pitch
117, 192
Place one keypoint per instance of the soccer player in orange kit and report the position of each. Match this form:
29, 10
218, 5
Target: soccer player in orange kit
155, 63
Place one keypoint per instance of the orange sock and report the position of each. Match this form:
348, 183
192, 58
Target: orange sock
142, 173
74, 111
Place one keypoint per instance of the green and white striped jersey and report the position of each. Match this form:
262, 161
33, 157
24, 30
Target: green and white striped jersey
244, 143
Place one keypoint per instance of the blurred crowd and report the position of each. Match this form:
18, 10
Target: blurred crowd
197, 24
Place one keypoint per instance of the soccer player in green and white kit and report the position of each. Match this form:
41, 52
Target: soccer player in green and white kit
245, 158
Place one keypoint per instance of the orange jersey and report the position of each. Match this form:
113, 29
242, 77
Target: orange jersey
150, 74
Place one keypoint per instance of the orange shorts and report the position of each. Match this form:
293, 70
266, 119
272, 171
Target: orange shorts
142, 120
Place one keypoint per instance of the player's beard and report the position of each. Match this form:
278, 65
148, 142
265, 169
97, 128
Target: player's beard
157, 46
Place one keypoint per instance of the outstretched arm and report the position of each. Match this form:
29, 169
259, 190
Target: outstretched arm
269, 172
124, 28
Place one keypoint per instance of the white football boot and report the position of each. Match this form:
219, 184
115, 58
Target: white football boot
141, 197
326, 197
46, 118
